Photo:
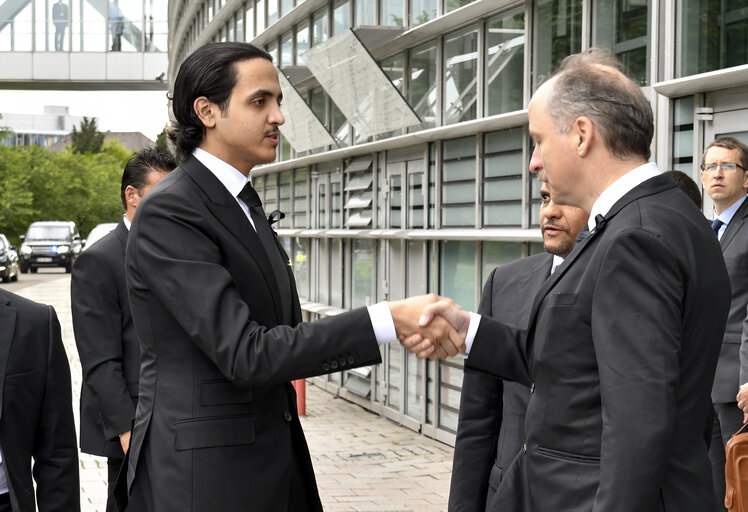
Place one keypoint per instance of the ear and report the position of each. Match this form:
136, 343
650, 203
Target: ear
583, 131
206, 111
132, 196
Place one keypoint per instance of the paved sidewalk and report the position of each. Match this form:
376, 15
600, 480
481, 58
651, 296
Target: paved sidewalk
363, 462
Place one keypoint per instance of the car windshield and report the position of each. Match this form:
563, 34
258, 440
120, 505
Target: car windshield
48, 233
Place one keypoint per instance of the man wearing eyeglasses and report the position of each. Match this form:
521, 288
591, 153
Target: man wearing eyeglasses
723, 174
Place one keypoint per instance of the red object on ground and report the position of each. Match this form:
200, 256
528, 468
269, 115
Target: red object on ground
300, 387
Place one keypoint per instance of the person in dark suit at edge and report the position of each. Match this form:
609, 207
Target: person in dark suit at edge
215, 307
725, 180
107, 344
623, 338
37, 430
687, 185
492, 411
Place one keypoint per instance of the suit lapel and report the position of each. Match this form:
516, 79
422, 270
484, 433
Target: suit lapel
7, 330
734, 225
229, 213
121, 232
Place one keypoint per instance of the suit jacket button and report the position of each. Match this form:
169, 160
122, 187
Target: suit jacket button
325, 367
287, 416
334, 364
342, 361
351, 359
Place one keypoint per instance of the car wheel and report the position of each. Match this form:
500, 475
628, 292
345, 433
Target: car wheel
24, 269
33, 270
6, 279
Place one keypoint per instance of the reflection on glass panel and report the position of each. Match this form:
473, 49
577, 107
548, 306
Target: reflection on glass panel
713, 35
396, 201
393, 68
391, 12
422, 84
286, 54
284, 192
302, 42
340, 126
458, 182
323, 272
286, 6
414, 377
301, 267
239, 26
318, 103
301, 201
622, 26
340, 16
460, 76
415, 200
505, 61
249, 27
272, 49
457, 272
422, 11
451, 5
337, 204
272, 11
449, 392
322, 206
558, 33
683, 135
503, 166
363, 273
366, 12
393, 379
319, 27
496, 254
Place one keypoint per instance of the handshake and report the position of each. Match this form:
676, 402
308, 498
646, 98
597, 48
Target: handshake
430, 326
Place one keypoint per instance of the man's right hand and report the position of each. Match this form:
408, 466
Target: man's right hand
432, 336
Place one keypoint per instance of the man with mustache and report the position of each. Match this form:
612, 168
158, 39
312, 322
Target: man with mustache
492, 411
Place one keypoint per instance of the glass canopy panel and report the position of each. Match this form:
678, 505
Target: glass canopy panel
357, 85
303, 129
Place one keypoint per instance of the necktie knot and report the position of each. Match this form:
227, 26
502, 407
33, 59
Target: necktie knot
249, 196
716, 225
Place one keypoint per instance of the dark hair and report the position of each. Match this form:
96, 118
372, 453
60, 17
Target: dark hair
687, 185
729, 143
140, 165
209, 71
591, 84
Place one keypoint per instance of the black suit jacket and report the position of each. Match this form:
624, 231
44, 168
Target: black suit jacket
107, 344
216, 426
492, 411
36, 418
622, 347
732, 368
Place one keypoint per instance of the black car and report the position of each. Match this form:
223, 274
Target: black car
8, 261
50, 244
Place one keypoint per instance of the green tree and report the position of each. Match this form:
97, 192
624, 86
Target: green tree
162, 140
5, 132
89, 139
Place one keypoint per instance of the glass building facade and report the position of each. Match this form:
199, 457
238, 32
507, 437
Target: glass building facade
435, 193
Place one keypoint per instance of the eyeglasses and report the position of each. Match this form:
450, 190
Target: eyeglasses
724, 167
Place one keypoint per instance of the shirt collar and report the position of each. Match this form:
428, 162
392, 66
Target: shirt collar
727, 215
127, 222
620, 188
557, 260
227, 174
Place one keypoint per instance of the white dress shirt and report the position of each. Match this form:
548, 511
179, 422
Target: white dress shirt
727, 215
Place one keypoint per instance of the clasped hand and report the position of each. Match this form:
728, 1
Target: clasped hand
430, 326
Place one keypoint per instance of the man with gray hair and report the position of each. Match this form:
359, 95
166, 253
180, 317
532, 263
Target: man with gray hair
623, 338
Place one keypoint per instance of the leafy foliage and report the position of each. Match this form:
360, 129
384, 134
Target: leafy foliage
89, 139
162, 140
40, 185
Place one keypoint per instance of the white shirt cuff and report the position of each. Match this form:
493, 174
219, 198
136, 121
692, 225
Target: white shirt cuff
382, 322
472, 330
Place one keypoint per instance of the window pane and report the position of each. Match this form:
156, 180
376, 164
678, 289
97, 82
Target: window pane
302, 43
272, 11
301, 267
340, 18
366, 12
457, 272
284, 190
422, 11
415, 200
503, 165
249, 27
558, 34
458, 182
455, 4
496, 254
260, 20
422, 86
505, 62
363, 271
322, 206
301, 202
623, 27
460, 76
319, 27
391, 12
286, 49
337, 205
286, 6
396, 201
683, 135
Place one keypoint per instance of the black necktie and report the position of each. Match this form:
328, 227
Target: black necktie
267, 238
716, 224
